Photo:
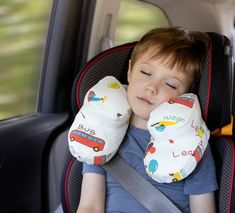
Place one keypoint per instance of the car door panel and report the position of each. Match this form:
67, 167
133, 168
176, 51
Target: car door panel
22, 161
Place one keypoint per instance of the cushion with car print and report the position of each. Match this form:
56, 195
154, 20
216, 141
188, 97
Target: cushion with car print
179, 137
100, 125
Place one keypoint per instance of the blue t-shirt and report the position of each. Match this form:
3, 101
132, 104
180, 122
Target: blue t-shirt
201, 180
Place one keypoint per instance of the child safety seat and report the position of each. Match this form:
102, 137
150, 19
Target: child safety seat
215, 95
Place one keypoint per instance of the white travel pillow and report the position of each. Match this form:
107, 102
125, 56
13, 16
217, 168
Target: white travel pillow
179, 137
101, 123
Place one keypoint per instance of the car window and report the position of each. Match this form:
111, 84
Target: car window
135, 18
23, 28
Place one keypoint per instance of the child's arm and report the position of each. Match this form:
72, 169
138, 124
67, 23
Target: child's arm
92, 193
202, 203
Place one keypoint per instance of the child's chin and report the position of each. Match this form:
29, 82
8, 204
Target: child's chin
142, 113
143, 116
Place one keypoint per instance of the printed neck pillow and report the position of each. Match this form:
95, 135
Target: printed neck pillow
179, 139
101, 123
179, 134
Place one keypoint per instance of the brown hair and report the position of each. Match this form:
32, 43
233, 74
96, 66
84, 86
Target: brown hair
176, 47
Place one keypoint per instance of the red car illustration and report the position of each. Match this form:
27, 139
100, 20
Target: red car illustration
188, 102
99, 160
88, 140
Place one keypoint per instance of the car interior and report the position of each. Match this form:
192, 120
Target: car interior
216, 116
85, 41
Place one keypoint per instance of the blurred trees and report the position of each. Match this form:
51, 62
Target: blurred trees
135, 19
23, 27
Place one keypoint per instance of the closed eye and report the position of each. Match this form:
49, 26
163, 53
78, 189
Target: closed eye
170, 85
145, 73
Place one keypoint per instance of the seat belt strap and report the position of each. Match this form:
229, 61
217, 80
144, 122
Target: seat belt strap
141, 189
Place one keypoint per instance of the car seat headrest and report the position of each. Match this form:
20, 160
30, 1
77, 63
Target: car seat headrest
215, 86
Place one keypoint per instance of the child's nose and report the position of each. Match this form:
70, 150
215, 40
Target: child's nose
152, 89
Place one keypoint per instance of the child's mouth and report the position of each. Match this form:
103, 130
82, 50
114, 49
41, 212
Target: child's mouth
145, 100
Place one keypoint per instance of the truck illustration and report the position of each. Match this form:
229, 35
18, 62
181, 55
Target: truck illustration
178, 175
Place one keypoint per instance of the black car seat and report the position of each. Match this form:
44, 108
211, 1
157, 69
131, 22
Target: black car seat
215, 95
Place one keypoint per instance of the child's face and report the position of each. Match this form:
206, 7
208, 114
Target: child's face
151, 83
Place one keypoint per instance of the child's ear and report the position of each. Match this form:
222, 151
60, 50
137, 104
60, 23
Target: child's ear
129, 71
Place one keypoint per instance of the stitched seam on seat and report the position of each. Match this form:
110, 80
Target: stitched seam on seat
232, 178
66, 184
209, 85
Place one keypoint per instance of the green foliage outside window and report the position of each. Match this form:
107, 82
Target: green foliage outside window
23, 27
136, 18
